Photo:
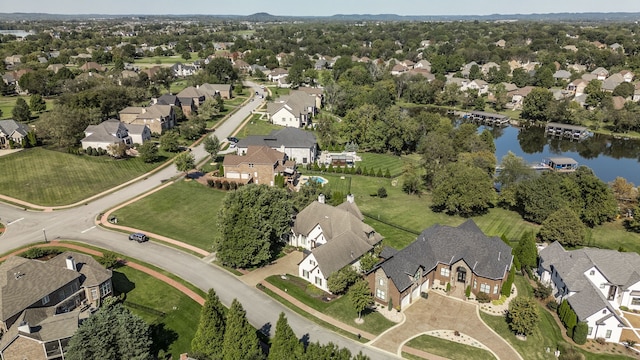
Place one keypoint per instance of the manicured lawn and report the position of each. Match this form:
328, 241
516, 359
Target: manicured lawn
276, 91
384, 162
47, 177
449, 349
185, 211
146, 62
257, 127
7, 103
340, 308
237, 100
613, 236
172, 331
414, 212
177, 86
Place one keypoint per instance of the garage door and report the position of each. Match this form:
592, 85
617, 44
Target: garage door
405, 301
425, 286
416, 294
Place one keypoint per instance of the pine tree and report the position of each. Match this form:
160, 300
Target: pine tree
285, 345
209, 336
21, 111
240, 339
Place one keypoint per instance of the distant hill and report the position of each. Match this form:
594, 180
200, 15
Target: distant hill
266, 17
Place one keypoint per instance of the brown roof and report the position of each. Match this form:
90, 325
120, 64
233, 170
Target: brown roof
255, 155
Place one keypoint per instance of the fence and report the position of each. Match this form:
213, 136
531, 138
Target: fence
386, 222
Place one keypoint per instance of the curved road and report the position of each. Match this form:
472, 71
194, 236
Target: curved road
25, 227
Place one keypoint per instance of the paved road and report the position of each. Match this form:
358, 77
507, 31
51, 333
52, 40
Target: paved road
25, 227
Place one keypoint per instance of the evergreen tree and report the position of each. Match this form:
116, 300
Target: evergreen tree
285, 345
112, 333
526, 250
240, 339
21, 111
36, 103
209, 336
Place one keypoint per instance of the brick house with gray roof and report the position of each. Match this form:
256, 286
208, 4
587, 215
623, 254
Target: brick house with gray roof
42, 302
595, 283
11, 130
260, 165
461, 256
299, 145
332, 237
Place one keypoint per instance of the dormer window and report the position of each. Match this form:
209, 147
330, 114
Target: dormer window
592, 272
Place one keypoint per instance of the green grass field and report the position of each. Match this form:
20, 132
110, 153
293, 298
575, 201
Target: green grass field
185, 211
384, 162
448, 349
340, 308
257, 127
49, 178
171, 332
7, 103
414, 212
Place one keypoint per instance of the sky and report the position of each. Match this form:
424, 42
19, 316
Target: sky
318, 8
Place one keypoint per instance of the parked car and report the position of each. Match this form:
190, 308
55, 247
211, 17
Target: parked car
139, 237
233, 139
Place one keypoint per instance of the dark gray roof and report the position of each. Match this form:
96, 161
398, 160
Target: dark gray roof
487, 257
288, 137
168, 99
44, 324
9, 126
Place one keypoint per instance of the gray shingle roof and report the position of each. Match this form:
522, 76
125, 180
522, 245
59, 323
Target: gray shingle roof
45, 326
288, 137
9, 126
348, 237
487, 257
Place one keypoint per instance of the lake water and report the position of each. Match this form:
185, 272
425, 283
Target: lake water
17, 33
606, 156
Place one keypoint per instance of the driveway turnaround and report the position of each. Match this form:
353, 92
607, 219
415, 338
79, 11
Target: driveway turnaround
440, 312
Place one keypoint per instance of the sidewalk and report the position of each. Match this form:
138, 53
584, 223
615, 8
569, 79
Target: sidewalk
185, 290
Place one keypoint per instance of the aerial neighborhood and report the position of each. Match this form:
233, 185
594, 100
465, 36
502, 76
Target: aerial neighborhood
348, 187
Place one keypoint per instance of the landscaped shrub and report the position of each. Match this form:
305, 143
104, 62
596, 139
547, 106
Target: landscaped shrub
568, 352
218, 184
483, 297
506, 286
467, 292
234, 185
330, 168
316, 167
382, 193
358, 170
390, 305
211, 182
109, 259
379, 173
542, 291
387, 174
372, 172
448, 287
37, 253
225, 185
552, 305
365, 171
601, 340
624, 308
580, 333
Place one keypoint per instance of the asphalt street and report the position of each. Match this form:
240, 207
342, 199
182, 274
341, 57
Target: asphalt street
78, 224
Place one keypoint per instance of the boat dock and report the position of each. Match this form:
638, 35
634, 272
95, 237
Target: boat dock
560, 164
573, 132
487, 118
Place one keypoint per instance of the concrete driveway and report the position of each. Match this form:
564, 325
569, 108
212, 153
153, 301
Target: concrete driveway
440, 312
287, 264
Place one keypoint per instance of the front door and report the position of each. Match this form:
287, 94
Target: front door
462, 276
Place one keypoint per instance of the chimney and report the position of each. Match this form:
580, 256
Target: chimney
24, 327
351, 199
71, 263
321, 198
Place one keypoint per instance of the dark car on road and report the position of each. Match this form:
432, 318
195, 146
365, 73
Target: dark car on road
139, 237
233, 139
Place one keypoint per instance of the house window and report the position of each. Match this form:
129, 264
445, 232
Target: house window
485, 288
495, 289
475, 284
592, 272
590, 330
45, 299
608, 335
380, 294
313, 263
445, 272
250, 165
601, 286
105, 289
305, 274
94, 294
304, 160
318, 281
635, 301
604, 311
381, 282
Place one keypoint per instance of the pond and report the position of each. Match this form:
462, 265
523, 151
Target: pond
607, 156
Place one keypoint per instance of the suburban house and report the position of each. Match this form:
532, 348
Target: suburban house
600, 73
610, 83
461, 256
332, 238
259, 165
595, 283
11, 130
92, 66
181, 70
113, 131
299, 145
158, 118
577, 87
278, 74
42, 302
224, 90
191, 98
293, 110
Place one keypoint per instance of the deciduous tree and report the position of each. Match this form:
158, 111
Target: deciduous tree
462, 189
523, 315
148, 152
360, 296
563, 226
184, 161
212, 145
170, 141
252, 221
340, 281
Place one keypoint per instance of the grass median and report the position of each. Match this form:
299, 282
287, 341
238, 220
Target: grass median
448, 349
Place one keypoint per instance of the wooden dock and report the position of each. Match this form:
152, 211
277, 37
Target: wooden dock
487, 118
560, 164
567, 131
